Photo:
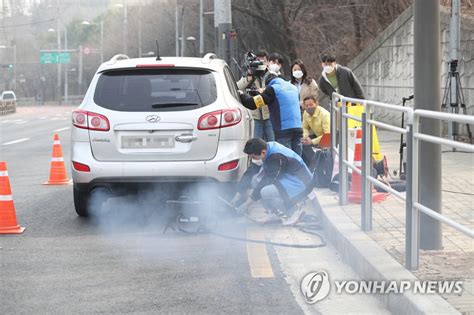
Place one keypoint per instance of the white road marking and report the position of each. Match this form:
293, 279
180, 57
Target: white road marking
21, 122
61, 129
16, 141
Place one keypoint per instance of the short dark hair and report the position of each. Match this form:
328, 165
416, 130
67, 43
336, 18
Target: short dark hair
255, 146
328, 58
310, 98
262, 53
277, 57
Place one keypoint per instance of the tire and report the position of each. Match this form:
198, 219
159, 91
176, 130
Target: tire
81, 202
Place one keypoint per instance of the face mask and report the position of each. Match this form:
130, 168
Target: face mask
310, 110
274, 67
257, 162
298, 74
328, 69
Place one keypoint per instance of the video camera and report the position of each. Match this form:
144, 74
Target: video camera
253, 66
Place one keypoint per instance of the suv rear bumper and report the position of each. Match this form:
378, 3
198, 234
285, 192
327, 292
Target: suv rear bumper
103, 172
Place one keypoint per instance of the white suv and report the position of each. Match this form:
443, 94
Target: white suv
169, 120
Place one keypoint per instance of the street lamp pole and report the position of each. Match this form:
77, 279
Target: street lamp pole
139, 29
125, 28
14, 65
58, 32
66, 79
101, 40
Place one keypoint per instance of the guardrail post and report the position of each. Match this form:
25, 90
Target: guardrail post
412, 223
366, 205
343, 182
333, 123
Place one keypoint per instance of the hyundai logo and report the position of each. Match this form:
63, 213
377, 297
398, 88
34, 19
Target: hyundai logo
153, 118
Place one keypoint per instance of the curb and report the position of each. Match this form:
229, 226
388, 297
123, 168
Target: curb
370, 261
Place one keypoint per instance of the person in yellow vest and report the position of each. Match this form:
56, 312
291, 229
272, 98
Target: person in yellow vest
316, 122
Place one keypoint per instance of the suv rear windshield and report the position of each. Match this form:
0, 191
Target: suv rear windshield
8, 96
155, 89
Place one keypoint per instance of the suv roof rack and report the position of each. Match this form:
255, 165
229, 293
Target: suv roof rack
208, 57
118, 57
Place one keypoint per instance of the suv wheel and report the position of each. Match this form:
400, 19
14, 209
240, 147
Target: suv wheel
81, 202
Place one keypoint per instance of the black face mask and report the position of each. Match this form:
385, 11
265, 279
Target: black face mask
310, 110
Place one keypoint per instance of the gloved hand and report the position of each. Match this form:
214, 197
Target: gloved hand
240, 210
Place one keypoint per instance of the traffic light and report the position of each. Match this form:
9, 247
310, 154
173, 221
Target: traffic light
8, 65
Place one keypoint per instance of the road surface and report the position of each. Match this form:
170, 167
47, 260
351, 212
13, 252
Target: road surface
120, 261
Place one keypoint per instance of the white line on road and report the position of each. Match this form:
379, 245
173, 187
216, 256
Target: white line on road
61, 129
16, 141
21, 122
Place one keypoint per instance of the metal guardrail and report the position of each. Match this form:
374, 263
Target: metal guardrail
413, 137
7, 107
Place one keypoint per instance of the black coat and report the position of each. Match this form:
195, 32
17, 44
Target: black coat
349, 86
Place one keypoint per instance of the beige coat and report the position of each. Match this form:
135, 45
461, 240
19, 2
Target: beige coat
306, 90
262, 112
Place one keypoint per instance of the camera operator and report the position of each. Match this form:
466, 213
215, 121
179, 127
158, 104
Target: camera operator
251, 82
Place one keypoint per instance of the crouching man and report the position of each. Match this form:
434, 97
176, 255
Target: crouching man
282, 183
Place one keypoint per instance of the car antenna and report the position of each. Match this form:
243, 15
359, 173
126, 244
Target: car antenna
157, 51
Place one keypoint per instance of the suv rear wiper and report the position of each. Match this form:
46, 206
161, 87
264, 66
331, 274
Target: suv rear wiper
160, 105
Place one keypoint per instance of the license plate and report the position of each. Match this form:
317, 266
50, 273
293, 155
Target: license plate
147, 142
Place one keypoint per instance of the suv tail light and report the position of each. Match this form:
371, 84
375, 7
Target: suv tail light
220, 119
228, 165
89, 120
81, 167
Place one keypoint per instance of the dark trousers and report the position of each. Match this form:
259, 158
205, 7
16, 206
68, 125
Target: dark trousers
293, 141
308, 154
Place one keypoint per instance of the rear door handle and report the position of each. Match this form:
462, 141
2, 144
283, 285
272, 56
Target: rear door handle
185, 138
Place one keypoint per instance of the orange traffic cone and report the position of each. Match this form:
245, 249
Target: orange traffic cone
8, 224
355, 194
57, 175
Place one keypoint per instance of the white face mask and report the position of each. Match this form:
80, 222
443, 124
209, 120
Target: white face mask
274, 67
328, 69
257, 162
298, 74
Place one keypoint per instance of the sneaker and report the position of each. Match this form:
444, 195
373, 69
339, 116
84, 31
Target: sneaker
269, 218
295, 217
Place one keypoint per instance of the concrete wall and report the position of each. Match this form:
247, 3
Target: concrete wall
385, 67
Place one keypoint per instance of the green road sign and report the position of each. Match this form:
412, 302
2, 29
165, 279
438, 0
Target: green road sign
54, 57
48, 57
64, 58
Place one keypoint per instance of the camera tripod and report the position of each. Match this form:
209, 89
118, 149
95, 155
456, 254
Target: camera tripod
455, 100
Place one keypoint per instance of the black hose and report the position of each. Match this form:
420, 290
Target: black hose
243, 239
308, 229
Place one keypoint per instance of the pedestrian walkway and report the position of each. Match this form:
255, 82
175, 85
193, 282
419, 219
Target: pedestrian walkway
454, 261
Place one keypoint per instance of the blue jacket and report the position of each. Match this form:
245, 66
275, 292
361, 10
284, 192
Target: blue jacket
283, 103
285, 109
286, 170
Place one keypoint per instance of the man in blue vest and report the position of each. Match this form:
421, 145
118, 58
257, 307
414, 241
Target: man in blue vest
283, 182
283, 103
